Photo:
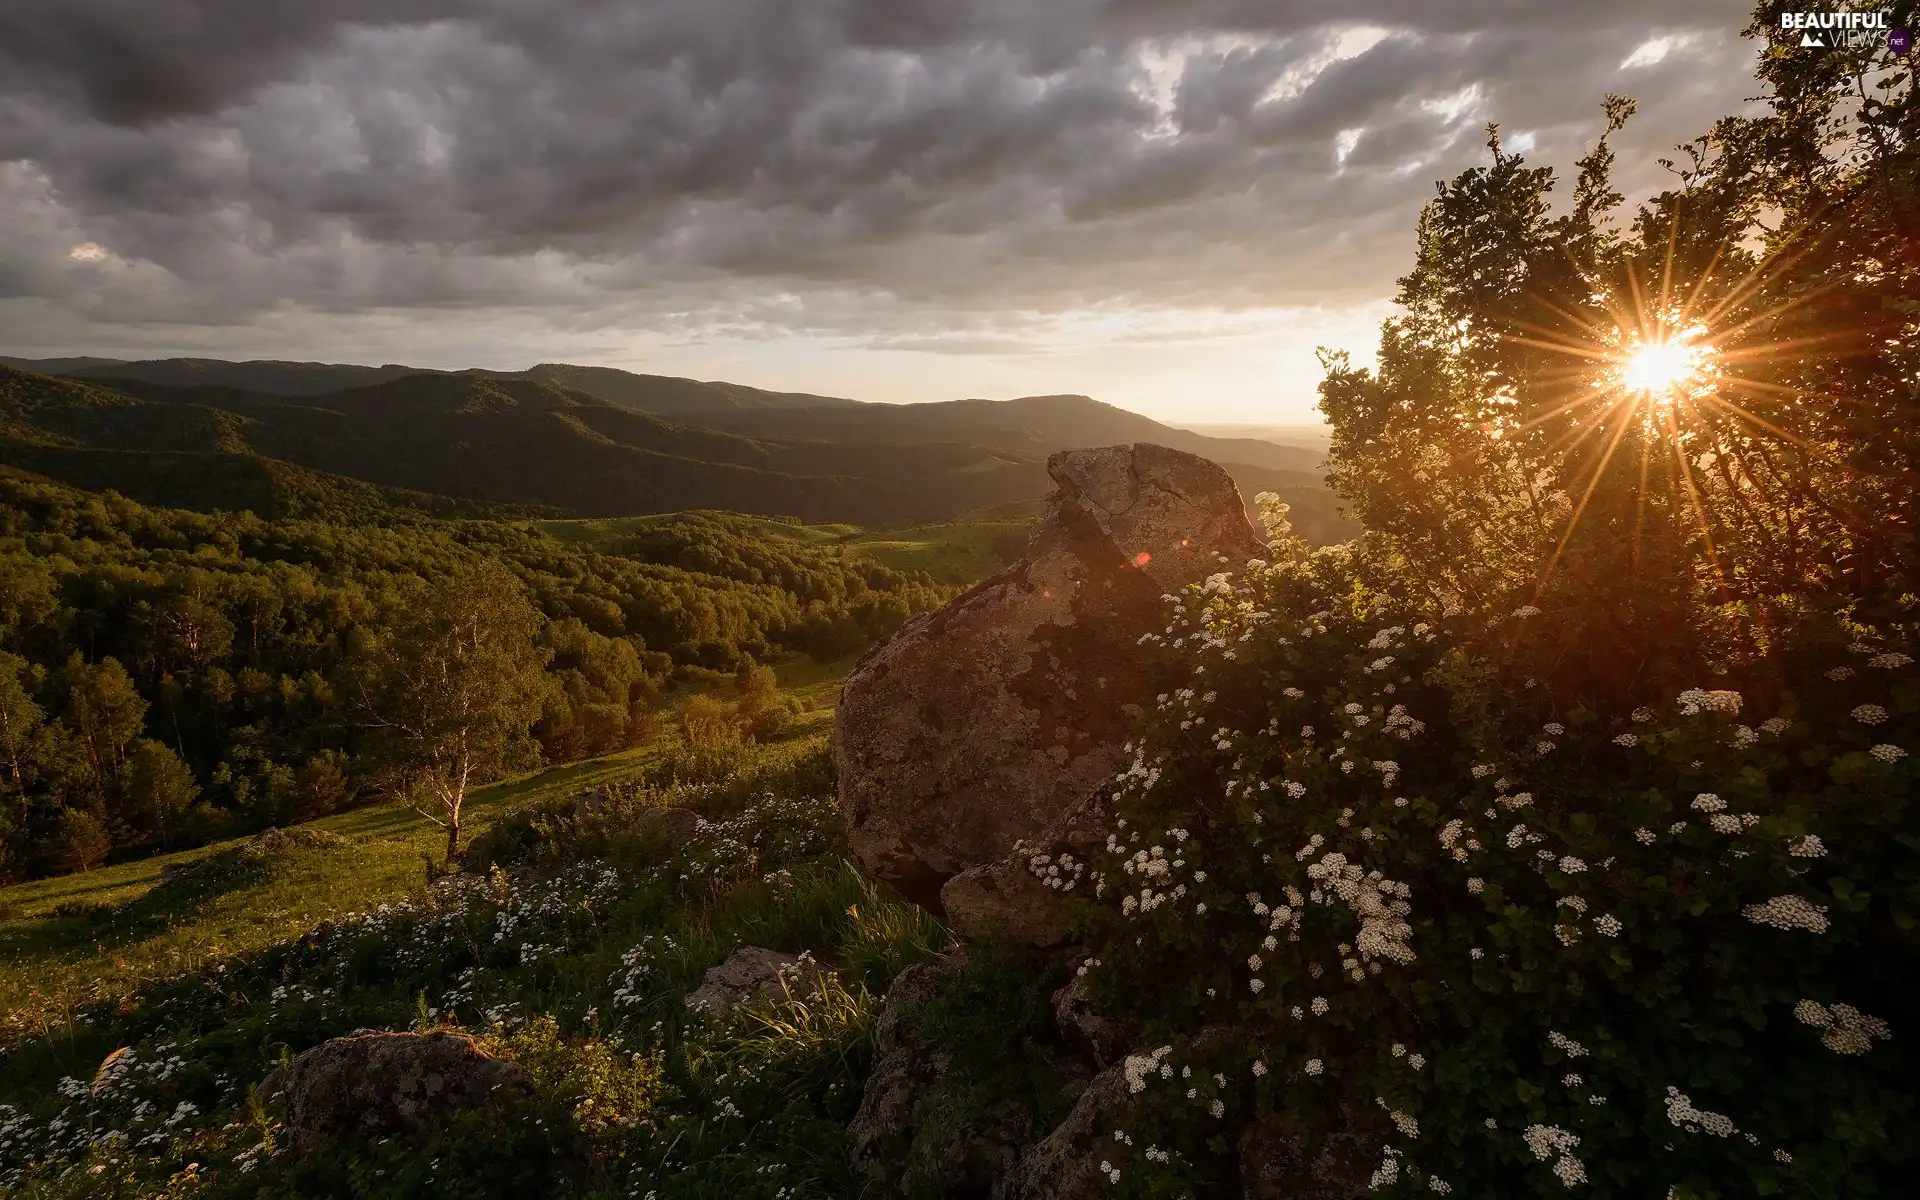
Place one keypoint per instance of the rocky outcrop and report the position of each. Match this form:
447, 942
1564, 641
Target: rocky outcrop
1002, 714
1065, 1165
1274, 1165
914, 1133
374, 1083
756, 975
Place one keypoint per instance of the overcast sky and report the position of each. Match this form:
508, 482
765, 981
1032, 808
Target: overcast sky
1162, 203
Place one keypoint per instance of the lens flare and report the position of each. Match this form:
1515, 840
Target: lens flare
1664, 366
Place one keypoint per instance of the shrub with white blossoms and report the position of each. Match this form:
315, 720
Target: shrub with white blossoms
1315, 881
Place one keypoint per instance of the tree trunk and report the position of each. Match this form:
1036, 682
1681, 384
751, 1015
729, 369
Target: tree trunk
453, 836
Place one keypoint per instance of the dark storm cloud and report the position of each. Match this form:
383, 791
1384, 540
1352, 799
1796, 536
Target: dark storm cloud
673, 162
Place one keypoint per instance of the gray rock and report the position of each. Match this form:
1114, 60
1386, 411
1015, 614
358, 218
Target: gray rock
677, 825
373, 1083
754, 975
1085, 1029
1274, 1164
916, 1133
1065, 1165
987, 722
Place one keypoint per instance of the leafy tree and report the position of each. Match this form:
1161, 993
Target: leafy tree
160, 789
79, 841
450, 690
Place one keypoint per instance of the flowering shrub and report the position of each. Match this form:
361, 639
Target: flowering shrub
1664, 951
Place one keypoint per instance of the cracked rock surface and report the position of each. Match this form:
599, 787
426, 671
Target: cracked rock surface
374, 1083
1001, 716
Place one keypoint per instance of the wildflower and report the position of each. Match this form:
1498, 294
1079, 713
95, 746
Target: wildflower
1808, 846
1566, 1045
1218, 1108
1840, 674
1889, 661
1525, 611
1848, 1030
1607, 925
1869, 714
1572, 1081
1644, 836
1783, 1158
1476, 885
1476, 954
1314, 1066
1682, 1113
1572, 865
1708, 802
1678, 827
1728, 823
1259, 1068
1627, 739
1788, 912
1319, 1006
1887, 753
1643, 714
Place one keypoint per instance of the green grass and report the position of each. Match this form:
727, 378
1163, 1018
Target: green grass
601, 532
951, 552
573, 960
59, 948
962, 551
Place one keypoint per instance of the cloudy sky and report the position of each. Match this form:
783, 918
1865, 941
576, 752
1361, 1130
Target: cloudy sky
1163, 203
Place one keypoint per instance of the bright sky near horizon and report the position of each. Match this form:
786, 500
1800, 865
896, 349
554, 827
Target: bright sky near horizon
1166, 204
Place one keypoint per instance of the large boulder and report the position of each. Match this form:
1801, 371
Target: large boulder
375, 1083
987, 722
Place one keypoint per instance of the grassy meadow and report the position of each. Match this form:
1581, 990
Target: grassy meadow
567, 944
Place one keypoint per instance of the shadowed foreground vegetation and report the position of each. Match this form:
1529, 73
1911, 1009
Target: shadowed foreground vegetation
569, 948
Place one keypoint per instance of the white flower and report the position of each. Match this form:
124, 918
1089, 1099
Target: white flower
1572, 865
1727, 823
1627, 739
1889, 661
1840, 674
1476, 885
1548, 1140
1644, 836
1566, 1045
1682, 1113
1888, 753
1809, 846
1314, 1066
1259, 1068
1848, 1030
1416, 1061
1525, 611
1869, 714
1607, 925
1319, 1006
1572, 1081
1788, 912
1708, 802
1774, 725
1783, 1158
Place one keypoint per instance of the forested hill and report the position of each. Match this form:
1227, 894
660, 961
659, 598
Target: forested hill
453, 442
169, 676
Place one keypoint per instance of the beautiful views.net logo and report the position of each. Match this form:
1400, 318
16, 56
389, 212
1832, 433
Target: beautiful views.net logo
1850, 30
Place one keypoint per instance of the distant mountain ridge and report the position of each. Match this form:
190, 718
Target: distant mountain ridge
585, 441
1047, 422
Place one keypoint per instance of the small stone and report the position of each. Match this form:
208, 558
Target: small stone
755, 975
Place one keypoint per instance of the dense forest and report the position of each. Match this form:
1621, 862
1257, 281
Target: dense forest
168, 676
